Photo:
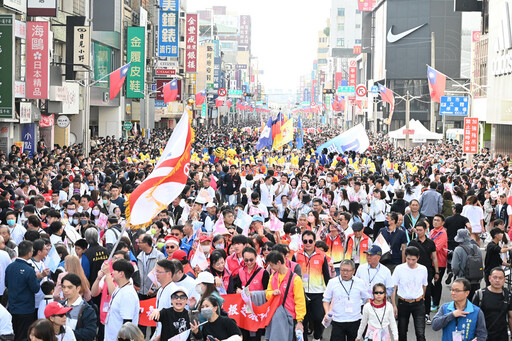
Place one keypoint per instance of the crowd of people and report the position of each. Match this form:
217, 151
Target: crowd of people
378, 232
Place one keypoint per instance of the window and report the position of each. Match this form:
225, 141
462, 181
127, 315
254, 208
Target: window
358, 25
358, 11
341, 27
341, 12
358, 42
323, 50
340, 42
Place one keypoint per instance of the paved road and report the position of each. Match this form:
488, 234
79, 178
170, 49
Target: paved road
429, 333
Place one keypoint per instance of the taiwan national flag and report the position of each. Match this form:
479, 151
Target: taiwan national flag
219, 102
200, 97
387, 96
436, 84
116, 80
170, 91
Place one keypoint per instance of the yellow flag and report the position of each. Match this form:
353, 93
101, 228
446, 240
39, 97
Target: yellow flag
286, 135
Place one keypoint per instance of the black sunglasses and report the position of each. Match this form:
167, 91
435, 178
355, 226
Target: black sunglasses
266, 249
60, 315
379, 292
308, 241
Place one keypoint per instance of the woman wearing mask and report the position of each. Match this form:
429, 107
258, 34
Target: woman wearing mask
222, 276
205, 286
219, 242
314, 221
218, 327
157, 230
56, 314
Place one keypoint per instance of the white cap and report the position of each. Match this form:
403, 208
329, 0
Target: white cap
205, 277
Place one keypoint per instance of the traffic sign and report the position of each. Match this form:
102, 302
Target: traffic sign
63, 121
375, 89
222, 92
408, 131
348, 89
361, 90
454, 106
235, 92
127, 125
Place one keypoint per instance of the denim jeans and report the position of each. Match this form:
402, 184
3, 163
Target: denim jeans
405, 309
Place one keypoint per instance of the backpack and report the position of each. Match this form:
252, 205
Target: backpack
474, 269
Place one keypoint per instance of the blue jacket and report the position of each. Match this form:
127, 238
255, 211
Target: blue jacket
472, 326
85, 329
22, 282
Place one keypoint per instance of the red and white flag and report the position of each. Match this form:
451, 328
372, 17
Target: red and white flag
167, 180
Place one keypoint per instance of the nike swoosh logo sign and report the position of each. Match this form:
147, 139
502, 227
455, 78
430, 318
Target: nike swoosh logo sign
393, 38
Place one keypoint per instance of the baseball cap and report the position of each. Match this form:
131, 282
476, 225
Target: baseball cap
55, 308
257, 218
205, 238
210, 204
374, 250
179, 288
205, 277
357, 226
200, 200
179, 255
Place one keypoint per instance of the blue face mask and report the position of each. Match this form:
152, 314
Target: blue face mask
11, 222
75, 221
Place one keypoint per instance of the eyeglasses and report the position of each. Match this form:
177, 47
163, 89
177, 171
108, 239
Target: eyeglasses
250, 260
308, 241
60, 315
175, 234
266, 249
379, 292
179, 297
170, 247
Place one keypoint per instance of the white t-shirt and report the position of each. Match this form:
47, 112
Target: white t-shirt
5, 321
267, 194
410, 282
38, 267
124, 305
281, 190
5, 260
474, 214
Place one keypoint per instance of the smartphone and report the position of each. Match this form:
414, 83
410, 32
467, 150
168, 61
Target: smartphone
210, 338
195, 316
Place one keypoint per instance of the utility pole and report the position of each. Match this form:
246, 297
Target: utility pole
407, 119
433, 64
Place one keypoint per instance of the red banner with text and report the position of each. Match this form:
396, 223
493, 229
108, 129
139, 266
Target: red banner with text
260, 316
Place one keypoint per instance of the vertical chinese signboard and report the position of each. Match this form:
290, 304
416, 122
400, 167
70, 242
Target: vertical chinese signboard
244, 38
136, 55
82, 48
470, 135
352, 73
338, 77
37, 59
102, 63
168, 28
209, 63
191, 46
6, 61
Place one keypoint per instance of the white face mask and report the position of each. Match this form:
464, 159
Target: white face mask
199, 289
205, 248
